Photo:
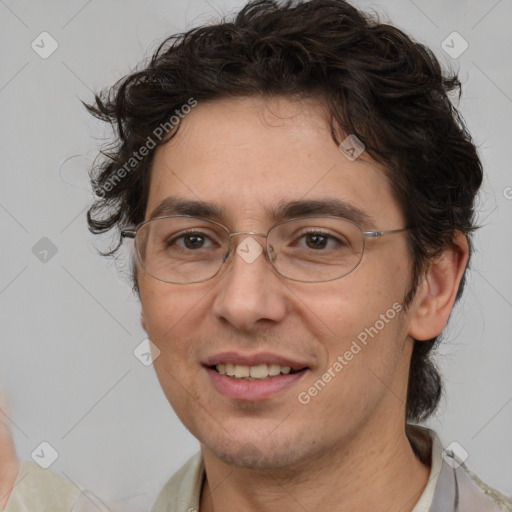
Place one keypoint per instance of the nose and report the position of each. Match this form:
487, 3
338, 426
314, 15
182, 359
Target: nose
250, 293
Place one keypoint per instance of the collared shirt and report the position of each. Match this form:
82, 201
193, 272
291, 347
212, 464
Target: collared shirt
451, 486
41, 490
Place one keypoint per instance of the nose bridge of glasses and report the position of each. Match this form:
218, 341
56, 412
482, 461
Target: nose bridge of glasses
251, 233
247, 233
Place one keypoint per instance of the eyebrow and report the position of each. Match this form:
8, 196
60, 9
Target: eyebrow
281, 211
328, 206
176, 206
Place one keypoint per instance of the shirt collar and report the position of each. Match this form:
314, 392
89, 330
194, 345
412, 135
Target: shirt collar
449, 485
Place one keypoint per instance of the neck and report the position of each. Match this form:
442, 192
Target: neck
377, 470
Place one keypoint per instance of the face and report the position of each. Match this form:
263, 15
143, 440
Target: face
245, 156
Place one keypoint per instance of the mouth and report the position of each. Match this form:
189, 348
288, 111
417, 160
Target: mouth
260, 372
254, 377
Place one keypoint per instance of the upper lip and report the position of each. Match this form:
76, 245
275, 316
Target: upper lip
253, 360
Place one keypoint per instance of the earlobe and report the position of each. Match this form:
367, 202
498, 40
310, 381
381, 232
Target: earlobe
437, 292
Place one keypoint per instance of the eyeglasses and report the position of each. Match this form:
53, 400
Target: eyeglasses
181, 249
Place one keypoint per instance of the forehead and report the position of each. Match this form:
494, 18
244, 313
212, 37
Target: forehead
244, 156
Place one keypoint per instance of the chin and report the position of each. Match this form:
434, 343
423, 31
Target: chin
256, 454
250, 457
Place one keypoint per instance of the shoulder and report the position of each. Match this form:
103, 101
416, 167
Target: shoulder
474, 490
183, 490
42, 490
456, 486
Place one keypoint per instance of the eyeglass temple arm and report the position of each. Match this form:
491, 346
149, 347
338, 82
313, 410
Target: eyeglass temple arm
128, 233
374, 234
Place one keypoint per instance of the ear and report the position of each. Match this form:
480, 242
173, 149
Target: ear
436, 294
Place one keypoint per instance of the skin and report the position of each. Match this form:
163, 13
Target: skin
9, 467
347, 449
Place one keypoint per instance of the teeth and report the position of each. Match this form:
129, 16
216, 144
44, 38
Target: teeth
260, 371
241, 371
274, 369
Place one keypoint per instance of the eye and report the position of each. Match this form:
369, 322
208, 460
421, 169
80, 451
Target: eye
192, 240
318, 240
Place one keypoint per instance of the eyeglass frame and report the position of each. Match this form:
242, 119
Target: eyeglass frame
132, 234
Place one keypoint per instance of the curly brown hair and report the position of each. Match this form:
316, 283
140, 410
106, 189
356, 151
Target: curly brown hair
377, 83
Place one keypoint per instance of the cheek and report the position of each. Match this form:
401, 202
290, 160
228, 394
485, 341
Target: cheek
361, 366
343, 308
167, 312
181, 393
173, 316
358, 320
163, 307
383, 276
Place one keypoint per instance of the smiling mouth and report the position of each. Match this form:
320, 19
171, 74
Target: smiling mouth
257, 372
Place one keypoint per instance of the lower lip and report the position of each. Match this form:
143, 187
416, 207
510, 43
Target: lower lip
253, 390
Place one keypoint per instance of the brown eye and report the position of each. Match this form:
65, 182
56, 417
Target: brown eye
194, 241
316, 241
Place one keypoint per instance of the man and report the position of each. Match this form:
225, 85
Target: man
300, 192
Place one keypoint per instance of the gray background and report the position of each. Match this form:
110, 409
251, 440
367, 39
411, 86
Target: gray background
70, 323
